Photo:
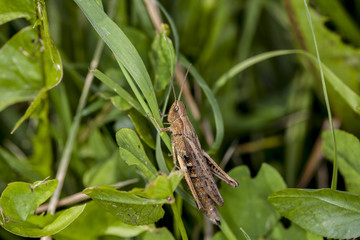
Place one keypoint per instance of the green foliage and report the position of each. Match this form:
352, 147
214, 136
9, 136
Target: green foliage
254, 78
20, 200
326, 212
132, 151
139, 206
253, 212
16, 9
348, 147
95, 222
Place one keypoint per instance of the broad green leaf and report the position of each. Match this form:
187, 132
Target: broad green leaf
348, 157
162, 56
293, 232
246, 206
158, 234
127, 206
20, 200
20, 75
10, 10
142, 128
95, 222
39, 226
50, 63
133, 153
325, 212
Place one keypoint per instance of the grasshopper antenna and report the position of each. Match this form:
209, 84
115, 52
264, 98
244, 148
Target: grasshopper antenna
172, 84
183, 84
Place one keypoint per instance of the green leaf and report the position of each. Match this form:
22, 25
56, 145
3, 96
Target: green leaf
133, 153
342, 19
162, 58
127, 206
326, 212
95, 222
50, 62
123, 94
120, 103
246, 206
20, 75
162, 187
142, 128
39, 226
20, 200
10, 10
139, 206
348, 157
158, 234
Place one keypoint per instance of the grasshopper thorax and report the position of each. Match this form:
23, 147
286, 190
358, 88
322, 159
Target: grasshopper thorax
176, 111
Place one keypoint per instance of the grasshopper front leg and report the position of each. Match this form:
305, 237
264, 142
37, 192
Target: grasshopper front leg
158, 125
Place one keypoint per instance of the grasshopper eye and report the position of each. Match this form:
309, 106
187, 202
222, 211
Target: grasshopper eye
176, 108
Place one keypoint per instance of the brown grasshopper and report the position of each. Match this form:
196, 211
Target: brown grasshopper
197, 164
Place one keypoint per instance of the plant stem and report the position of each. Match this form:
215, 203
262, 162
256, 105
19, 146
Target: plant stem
179, 221
226, 229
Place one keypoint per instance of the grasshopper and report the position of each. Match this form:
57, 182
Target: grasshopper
194, 161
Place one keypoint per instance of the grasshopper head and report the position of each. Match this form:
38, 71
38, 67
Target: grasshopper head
177, 110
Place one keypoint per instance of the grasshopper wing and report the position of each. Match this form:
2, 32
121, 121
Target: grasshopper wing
206, 181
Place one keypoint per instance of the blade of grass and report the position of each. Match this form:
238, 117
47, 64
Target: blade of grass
335, 168
124, 51
213, 103
118, 89
349, 95
179, 221
225, 229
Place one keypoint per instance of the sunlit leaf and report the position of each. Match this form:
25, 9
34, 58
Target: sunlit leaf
20, 200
